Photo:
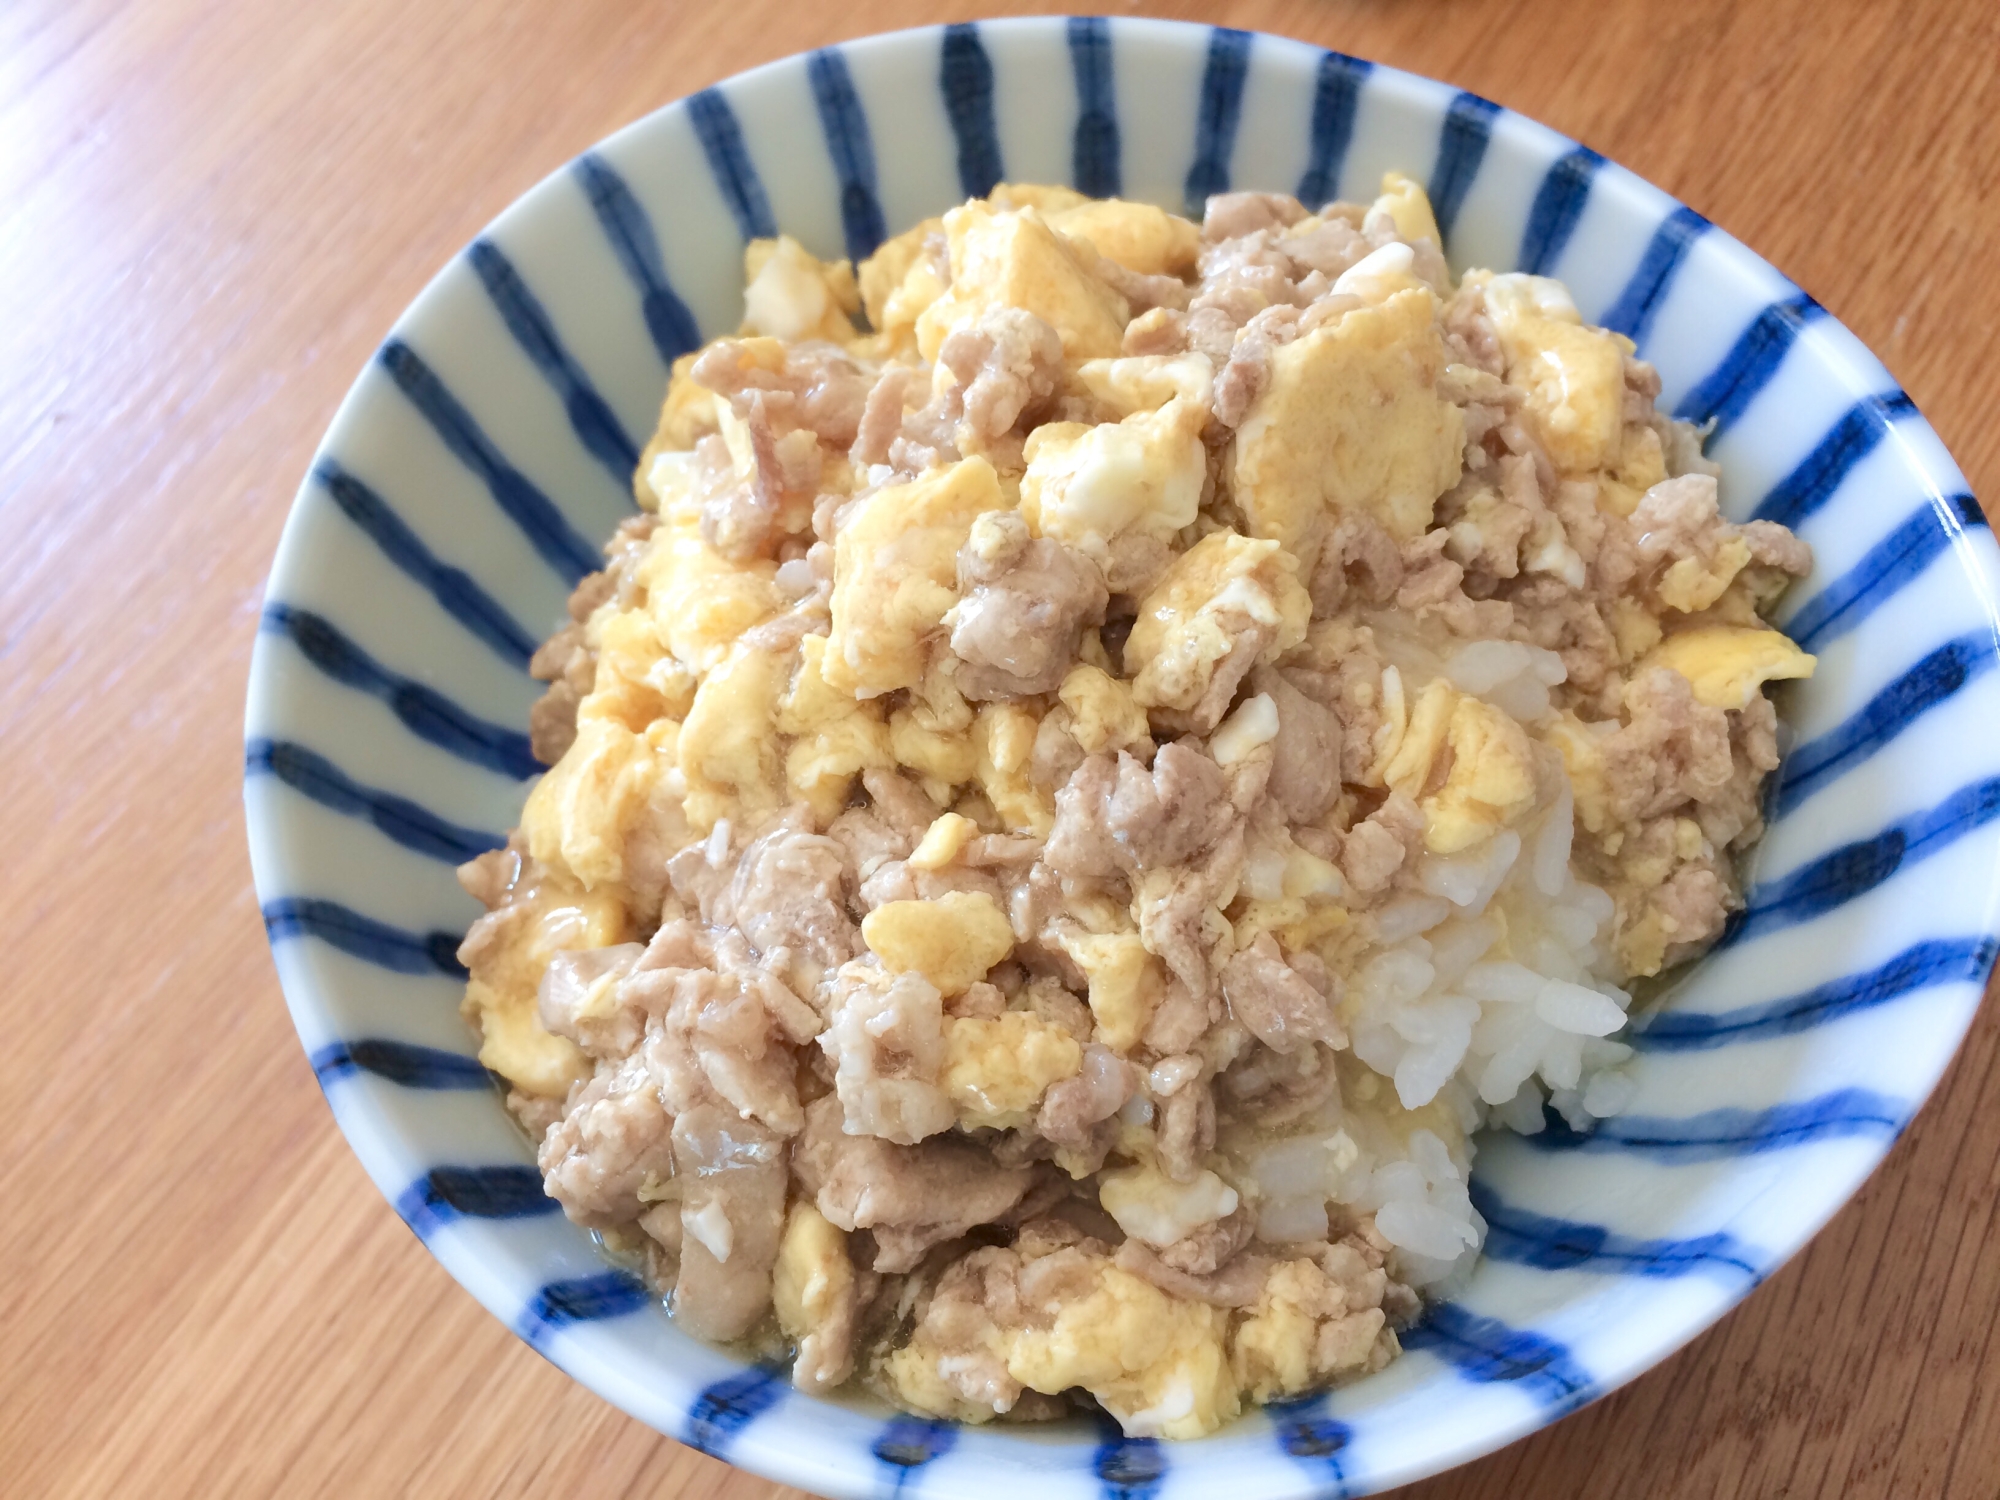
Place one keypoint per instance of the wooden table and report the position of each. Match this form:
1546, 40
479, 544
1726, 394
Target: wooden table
210, 211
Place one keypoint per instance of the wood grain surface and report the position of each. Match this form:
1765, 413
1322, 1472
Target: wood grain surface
210, 212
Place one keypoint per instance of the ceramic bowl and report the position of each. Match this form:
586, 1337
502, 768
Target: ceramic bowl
485, 453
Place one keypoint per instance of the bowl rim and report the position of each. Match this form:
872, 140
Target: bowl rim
761, 1449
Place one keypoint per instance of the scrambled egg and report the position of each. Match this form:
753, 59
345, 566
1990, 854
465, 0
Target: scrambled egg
1490, 780
1252, 726
687, 724
813, 1276
1147, 382
1012, 258
952, 941
1104, 716
792, 295
942, 841
1138, 236
577, 815
1045, 197
1727, 664
836, 736
637, 681
997, 1068
1126, 982
1151, 1206
1582, 751
1086, 485
1380, 275
1004, 735
898, 282
1574, 376
1157, 1363
700, 600
1634, 628
1351, 420
1642, 465
942, 758
895, 573
1692, 584
1188, 622
501, 997
1406, 202
730, 755
1295, 1337
687, 414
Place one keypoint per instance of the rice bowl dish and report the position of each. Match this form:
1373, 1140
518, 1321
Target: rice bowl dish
1113, 748
481, 460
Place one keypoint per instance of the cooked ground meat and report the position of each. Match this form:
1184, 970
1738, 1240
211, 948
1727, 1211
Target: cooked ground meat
1007, 364
1276, 1002
910, 1197
1023, 601
732, 1210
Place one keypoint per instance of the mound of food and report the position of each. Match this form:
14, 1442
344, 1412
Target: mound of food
1072, 804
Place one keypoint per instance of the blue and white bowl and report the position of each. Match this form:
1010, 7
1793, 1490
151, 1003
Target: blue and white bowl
486, 451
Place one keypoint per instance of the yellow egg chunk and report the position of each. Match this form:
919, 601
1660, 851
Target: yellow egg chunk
1013, 259
637, 680
1125, 981
952, 941
687, 413
1490, 784
1405, 201
1727, 664
728, 748
1047, 197
578, 815
1103, 713
501, 1000
701, 600
997, 1068
1086, 485
1151, 1206
1147, 382
1283, 1347
1273, 1347
878, 276
943, 759
1574, 376
913, 1373
515, 1045
793, 295
1635, 628
1184, 626
1004, 737
895, 573
898, 282
1155, 1362
1414, 739
948, 834
1138, 236
1300, 925
1692, 584
1351, 421
836, 736
1641, 465
813, 1275
1582, 751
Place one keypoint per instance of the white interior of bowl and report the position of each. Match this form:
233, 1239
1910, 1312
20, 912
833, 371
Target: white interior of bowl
474, 466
